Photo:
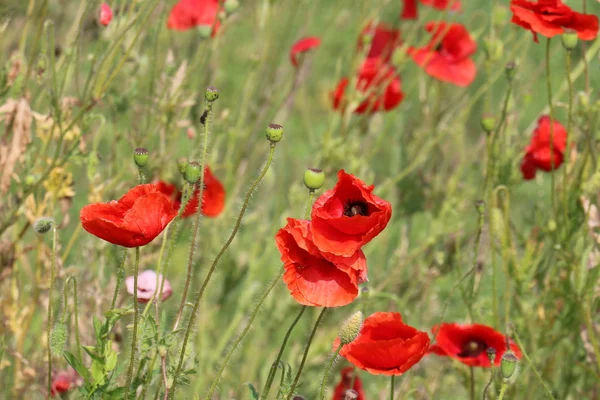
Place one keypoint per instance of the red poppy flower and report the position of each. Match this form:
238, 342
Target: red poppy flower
106, 14
187, 14
302, 46
213, 196
345, 384
540, 152
552, 17
347, 217
468, 344
409, 11
383, 40
63, 381
378, 82
386, 345
314, 278
133, 220
446, 56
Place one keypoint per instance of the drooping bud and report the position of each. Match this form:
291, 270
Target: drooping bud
508, 364
351, 328
488, 123
509, 69
231, 6
211, 94
569, 39
58, 339
491, 354
274, 132
182, 164
350, 394
192, 172
314, 178
43, 224
140, 156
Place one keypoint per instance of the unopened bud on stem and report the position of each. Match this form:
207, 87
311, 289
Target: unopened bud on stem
211, 94
192, 172
43, 224
351, 328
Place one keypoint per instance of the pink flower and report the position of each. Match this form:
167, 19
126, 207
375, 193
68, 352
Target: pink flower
106, 14
147, 286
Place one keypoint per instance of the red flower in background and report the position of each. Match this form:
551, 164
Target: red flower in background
302, 46
347, 217
386, 345
133, 220
540, 152
552, 17
313, 278
187, 14
63, 381
106, 14
446, 56
378, 82
213, 196
383, 40
468, 344
409, 10
345, 384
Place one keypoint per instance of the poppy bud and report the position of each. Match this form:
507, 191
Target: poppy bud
480, 206
493, 49
231, 5
552, 225
569, 39
314, 178
351, 328
162, 350
509, 69
140, 156
182, 164
192, 172
43, 224
488, 123
350, 395
491, 354
205, 31
274, 132
584, 101
399, 55
58, 339
508, 364
29, 180
211, 94
500, 16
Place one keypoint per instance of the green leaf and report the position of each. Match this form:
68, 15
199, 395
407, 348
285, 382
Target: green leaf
98, 372
111, 361
253, 391
91, 350
77, 366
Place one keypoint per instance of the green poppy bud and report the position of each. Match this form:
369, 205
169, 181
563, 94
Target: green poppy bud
569, 39
509, 69
351, 328
182, 164
314, 178
508, 364
231, 6
140, 156
211, 94
274, 132
205, 31
488, 123
43, 224
192, 172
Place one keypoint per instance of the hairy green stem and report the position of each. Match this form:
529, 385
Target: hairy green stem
328, 370
49, 327
471, 383
551, 114
236, 227
503, 390
305, 355
120, 277
569, 135
273, 371
75, 314
135, 324
487, 386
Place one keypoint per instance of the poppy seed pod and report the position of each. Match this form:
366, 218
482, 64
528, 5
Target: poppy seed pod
488, 123
569, 39
211, 94
314, 178
491, 354
508, 364
274, 132
43, 224
140, 156
351, 328
231, 6
192, 172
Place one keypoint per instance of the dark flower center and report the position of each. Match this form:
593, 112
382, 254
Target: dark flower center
473, 349
356, 208
439, 47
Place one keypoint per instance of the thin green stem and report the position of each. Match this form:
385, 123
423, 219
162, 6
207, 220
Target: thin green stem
471, 383
328, 370
551, 113
309, 202
49, 327
535, 370
503, 390
237, 342
135, 324
305, 355
392, 379
75, 315
236, 227
273, 371
195, 229
120, 277
487, 386
569, 135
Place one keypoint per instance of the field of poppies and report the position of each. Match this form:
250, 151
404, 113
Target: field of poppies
273, 199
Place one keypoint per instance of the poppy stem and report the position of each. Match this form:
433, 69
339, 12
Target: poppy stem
120, 276
569, 133
532, 365
487, 386
215, 262
273, 371
328, 370
242, 335
309, 203
305, 355
76, 314
196, 227
472, 383
136, 268
551, 113
49, 327
392, 378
